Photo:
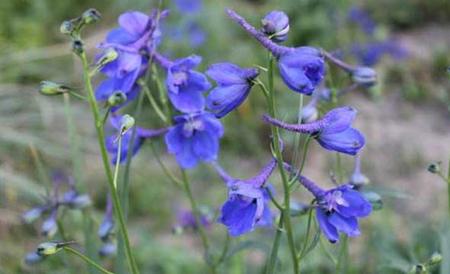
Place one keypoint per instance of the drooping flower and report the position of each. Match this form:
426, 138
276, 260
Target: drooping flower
247, 205
333, 131
194, 138
276, 25
185, 85
301, 68
358, 179
233, 86
369, 54
338, 209
141, 134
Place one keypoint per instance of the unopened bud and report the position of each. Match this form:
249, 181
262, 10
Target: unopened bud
435, 259
105, 229
108, 56
126, 122
418, 269
364, 76
90, 16
434, 167
49, 248
52, 88
276, 25
309, 114
33, 258
77, 47
374, 199
358, 179
177, 230
67, 27
117, 98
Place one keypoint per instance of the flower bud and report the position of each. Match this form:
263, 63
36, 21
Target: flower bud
90, 16
76, 201
32, 214
276, 25
177, 230
435, 259
77, 47
67, 27
418, 269
434, 167
49, 227
48, 248
364, 76
33, 258
374, 199
126, 122
108, 56
107, 250
117, 98
52, 88
105, 229
298, 209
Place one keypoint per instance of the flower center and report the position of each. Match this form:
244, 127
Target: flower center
180, 78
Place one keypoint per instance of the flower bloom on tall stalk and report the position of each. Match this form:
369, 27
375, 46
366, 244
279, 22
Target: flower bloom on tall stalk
185, 85
141, 135
301, 68
276, 25
369, 54
338, 209
233, 86
333, 131
248, 201
134, 40
193, 138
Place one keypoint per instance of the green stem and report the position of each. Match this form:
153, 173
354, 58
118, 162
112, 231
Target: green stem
298, 137
101, 141
87, 260
448, 184
153, 102
224, 250
177, 182
342, 262
276, 146
276, 243
308, 229
117, 166
302, 164
197, 217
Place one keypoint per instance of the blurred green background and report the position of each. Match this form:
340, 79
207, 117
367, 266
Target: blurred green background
406, 121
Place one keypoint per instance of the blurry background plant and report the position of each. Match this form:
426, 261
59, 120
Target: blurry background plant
406, 117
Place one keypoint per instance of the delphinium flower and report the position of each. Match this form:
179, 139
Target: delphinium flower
362, 18
337, 209
140, 136
194, 137
247, 205
188, 6
301, 68
276, 25
185, 85
333, 131
196, 34
233, 86
133, 41
370, 53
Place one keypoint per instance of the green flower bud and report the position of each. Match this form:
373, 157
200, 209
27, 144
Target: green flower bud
177, 230
434, 167
90, 16
374, 199
364, 76
77, 47
435, 259
109, 56
67, 27
49, 248
117, 98
52, 88
126, 122
418, 269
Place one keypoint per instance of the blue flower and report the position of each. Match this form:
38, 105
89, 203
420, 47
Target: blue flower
363, 19
333, 131
369, 54
194, 138
112, 144
233, 86
302, 69
189, 6
276, 25
247, 205
185, 85
338, 209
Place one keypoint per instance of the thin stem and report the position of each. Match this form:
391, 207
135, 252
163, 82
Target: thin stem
87, 260
101, 141
298, 137
448, 184
224, 250
274, 201
197, 216
152, 101
117, 166
177, 182
270, 268
302, 164
308, 229
76, 95
277, 150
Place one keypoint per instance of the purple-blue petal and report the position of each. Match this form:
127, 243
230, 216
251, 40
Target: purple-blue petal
347, 225
134, 22
327, 229
238, 216
223, 99
349, 141
358, 205
339, 119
